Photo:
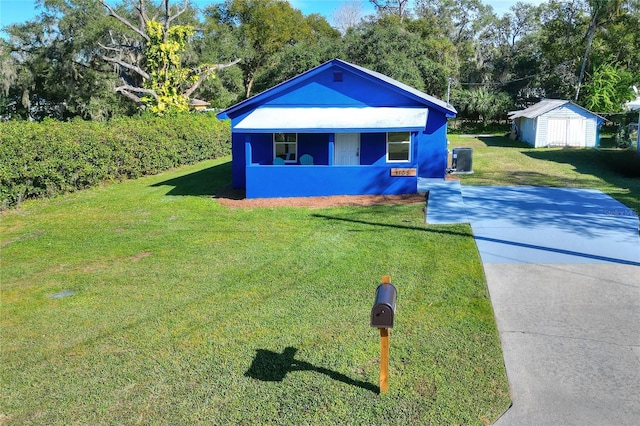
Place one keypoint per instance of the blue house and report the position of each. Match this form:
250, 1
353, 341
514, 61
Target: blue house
337, 129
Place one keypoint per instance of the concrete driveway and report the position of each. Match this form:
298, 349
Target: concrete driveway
563, 271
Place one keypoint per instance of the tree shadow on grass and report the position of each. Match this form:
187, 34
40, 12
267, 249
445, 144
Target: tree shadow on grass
270, 366
502, 141
213, 181
429, 229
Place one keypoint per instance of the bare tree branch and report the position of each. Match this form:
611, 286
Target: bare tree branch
142, 13
180, 12
400, 8
347, 15
128, 91
114, 49
128, 53
129, 95
128, 66
204, 75
113, 13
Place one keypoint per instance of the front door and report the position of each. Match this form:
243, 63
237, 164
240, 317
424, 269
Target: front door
347, 149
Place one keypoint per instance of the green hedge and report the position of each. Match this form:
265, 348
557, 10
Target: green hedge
52, 157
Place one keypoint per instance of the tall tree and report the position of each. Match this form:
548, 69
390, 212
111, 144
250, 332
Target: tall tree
601, 12
415, 53
621, 40
608, 88
149, 56
462, 20
348, 15
521, 20
264, 28
393, 7
515, 59
471, 26
55, 56
562, 25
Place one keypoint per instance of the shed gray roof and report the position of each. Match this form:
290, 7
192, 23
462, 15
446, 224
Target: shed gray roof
634, 105
545, 106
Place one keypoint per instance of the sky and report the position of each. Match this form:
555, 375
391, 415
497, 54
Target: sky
20, 11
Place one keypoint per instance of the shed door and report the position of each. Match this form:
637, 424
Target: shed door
557, 132
576, 132
347, 149
566, 131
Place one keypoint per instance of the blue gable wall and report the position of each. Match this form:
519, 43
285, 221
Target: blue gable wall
353, 90
253, 152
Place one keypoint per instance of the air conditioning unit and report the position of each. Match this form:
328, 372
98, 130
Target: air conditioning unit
461, 161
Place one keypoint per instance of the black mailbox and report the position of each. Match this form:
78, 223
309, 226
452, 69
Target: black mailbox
384, 306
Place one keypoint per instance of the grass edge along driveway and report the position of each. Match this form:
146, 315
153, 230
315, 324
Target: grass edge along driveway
179, 310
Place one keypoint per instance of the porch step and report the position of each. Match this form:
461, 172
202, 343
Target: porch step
444, 204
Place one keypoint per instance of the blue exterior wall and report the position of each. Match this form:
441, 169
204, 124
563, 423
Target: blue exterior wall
429, 156
432, 151
315, 145
373, 148
310, 181
238, 175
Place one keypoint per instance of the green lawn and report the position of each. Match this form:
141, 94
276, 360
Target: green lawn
497, 160
184, 311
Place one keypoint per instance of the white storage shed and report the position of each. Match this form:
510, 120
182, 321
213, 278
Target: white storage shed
556, 122
635, 106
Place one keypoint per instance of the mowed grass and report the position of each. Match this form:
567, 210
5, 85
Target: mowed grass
497, 160
186, 312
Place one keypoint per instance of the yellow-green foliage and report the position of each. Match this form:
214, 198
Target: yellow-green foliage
164, 56
44, 159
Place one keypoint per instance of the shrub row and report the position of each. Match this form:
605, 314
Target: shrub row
52, 157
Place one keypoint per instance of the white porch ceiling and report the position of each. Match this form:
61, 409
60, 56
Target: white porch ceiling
314, 120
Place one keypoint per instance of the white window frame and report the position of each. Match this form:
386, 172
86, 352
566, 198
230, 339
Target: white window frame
403, 142
285, 142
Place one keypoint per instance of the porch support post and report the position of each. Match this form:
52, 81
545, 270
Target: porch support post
332, 138
247, 149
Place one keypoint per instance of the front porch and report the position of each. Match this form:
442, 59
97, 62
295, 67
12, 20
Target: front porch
321, 180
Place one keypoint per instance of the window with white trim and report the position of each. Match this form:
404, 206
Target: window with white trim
398, 147
285, 146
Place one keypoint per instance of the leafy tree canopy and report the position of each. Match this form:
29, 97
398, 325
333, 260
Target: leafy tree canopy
91, 58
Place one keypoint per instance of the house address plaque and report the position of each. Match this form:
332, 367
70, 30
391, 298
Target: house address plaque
403, 172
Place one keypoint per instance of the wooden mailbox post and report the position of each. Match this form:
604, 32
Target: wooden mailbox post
382, 315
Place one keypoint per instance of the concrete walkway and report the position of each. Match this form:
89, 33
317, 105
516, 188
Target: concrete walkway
563, 271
